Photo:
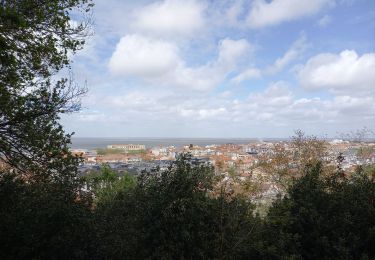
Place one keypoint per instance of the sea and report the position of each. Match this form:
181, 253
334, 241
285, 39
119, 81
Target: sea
91, 143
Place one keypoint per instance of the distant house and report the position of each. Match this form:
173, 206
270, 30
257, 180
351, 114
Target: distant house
127, 147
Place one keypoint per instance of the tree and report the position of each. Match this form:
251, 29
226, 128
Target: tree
358, 136
308, 150
323, 218
37, 38
287, 163
44, 221
44, 212
106, 184
175, 214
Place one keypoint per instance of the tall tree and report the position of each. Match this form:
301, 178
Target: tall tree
37, 37
43, 215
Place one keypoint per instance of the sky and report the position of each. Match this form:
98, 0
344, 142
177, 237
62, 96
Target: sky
229, 68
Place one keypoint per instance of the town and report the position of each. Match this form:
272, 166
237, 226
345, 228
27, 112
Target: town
243, 158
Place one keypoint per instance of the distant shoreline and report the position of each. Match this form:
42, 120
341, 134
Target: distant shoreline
102, 142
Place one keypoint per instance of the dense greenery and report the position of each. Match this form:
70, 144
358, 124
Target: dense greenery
177, 214
324, 218
174, 214
43, 221
106, 183
182, 213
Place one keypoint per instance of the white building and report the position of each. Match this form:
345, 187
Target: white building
127, 147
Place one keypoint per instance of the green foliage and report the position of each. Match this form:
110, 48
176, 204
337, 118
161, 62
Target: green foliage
102, 178
106, 183
43, 221
137, 152
323, 218
105, 151
368, 170
44, 213
177, 213
36, 39
174, 214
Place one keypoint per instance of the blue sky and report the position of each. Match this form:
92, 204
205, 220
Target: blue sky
231, 68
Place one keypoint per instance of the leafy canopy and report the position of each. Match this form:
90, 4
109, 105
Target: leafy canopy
37, 38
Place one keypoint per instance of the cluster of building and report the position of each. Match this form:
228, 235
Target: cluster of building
238, 164
242, 157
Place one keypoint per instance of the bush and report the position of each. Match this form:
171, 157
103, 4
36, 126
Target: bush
174, 214
324, 218
43, 221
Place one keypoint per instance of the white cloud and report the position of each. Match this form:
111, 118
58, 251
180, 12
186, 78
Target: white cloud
266, 13
159, 61
204, 114
346, 72
170, 17
199, 78
354, 106
209, 75
274, 110
275, 96
325, 20
234, 11
136, 55
91, 116
168, 51
136, 100
231, 50
251, 73
297, 48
